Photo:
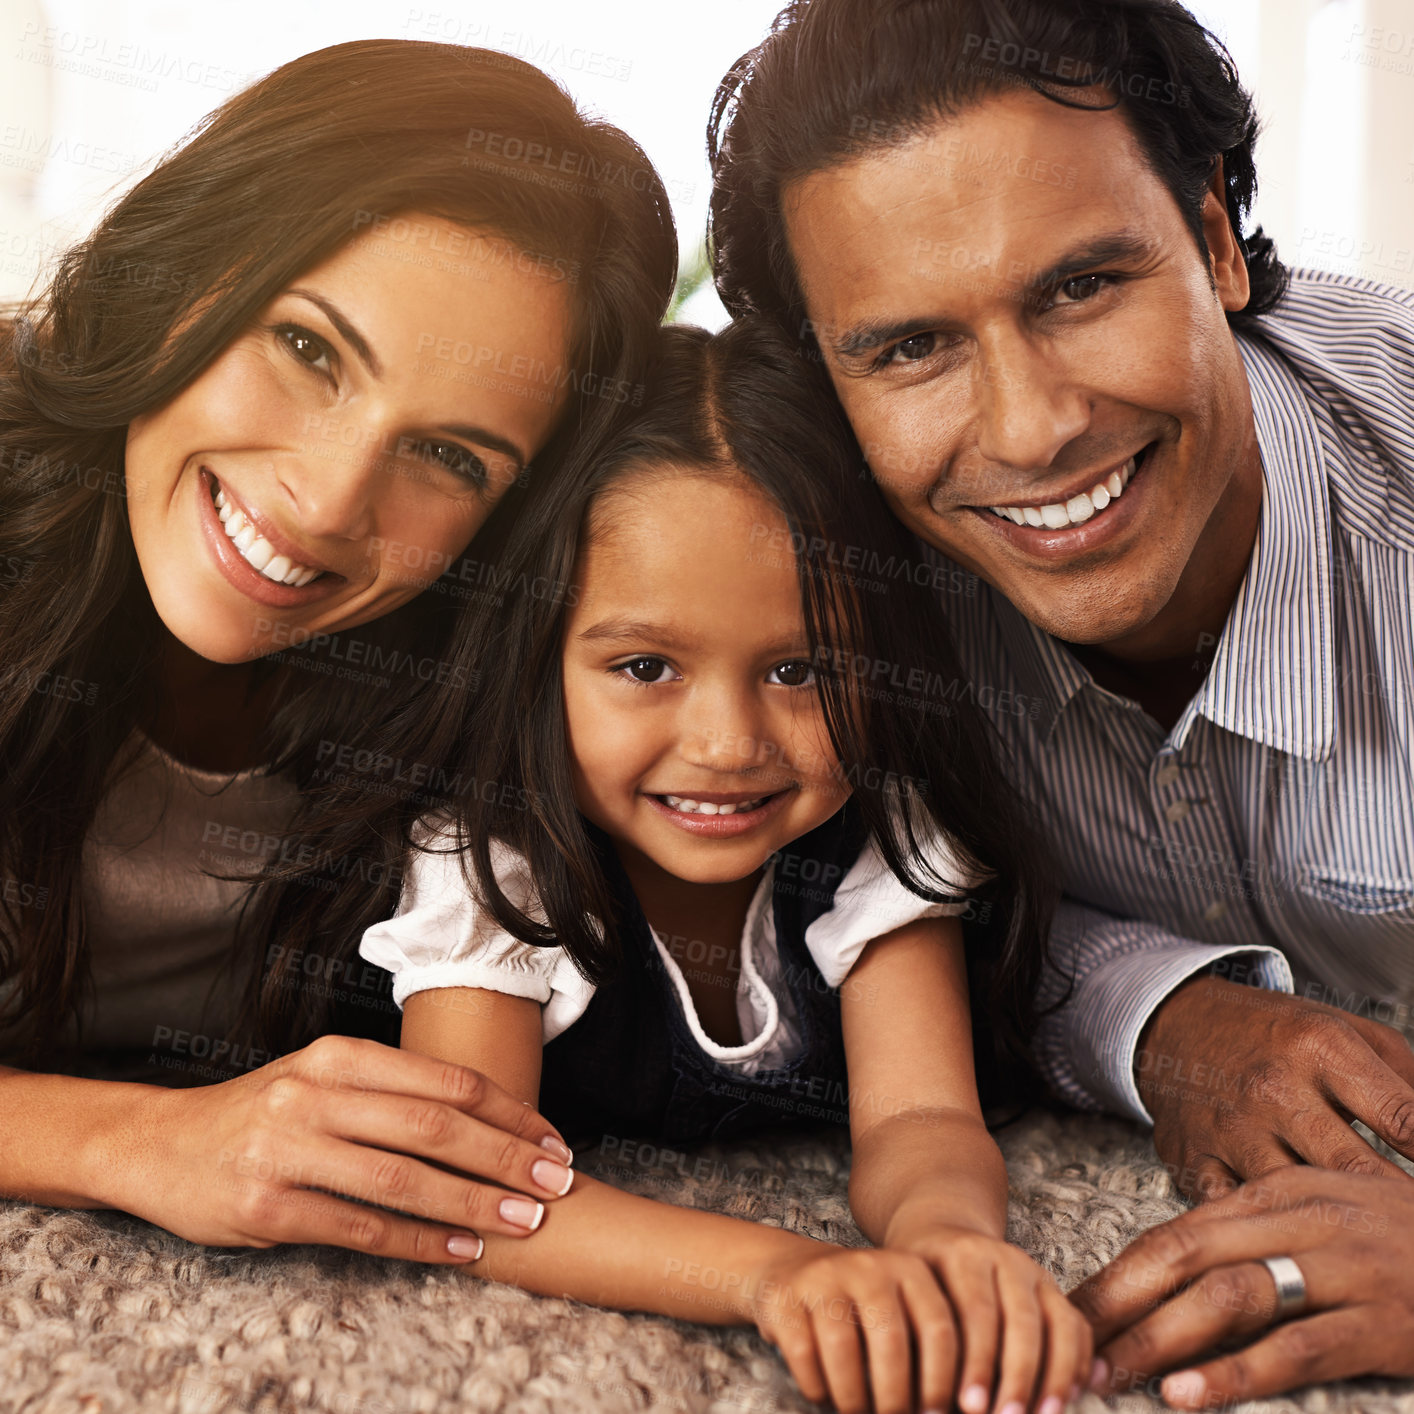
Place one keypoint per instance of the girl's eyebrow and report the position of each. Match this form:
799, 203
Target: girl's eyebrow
611, 630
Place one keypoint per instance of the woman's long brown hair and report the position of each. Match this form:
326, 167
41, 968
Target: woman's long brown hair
271, 183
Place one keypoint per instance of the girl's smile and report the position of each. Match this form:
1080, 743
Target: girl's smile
714, 815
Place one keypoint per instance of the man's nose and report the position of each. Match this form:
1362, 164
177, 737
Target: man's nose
1029, 408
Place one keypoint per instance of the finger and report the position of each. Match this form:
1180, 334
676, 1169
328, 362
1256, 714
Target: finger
974, 1298
1161, 1260
390, 1180
351, 1063
1261, 1154
841, 1354
888, 1342
303, 1215
1367, 1087
935, 1334
1212, 1179
1326, 1140
1069, 1351
409, 1124
1224, 1304
1335, 1345
793, 1337
1023, 1342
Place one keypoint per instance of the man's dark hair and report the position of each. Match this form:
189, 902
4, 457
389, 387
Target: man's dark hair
839, 78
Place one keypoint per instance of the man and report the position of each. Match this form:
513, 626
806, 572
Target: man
1011, 231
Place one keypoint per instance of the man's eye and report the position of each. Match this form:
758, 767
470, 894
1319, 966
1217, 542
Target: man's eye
1080, 288
796, 673
306, 346
647, 670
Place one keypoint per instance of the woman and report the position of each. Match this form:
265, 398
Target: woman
246, 438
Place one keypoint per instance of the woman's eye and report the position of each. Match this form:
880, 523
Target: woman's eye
647, 670
913, 349
306, 346
796, 673
458, 459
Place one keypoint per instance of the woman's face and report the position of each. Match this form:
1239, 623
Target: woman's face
340, 454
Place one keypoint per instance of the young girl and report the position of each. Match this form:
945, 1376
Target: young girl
721, 809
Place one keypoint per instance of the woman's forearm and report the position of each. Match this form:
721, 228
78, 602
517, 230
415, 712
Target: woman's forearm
601, 1245
937, 1167
55, 1136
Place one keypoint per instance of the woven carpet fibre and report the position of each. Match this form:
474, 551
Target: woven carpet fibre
102, 1313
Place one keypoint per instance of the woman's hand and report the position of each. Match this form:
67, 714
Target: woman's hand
1015, 1333
276, 1155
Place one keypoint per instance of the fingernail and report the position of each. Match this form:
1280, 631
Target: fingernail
522, 1212
1014, 1406
465, 1245
974, 1400
1051, 1406
558, 1148
1187, 1387
553, 1178
1074, 1393
1099, 1374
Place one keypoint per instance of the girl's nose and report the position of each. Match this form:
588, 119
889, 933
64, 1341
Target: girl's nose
724, 730
334, 488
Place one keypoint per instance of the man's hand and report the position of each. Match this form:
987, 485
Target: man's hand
1241, 1081
1196, 1282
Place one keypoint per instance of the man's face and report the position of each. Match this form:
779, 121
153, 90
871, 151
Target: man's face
1022, 329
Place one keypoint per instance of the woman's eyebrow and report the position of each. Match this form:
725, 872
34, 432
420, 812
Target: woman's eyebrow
346, 329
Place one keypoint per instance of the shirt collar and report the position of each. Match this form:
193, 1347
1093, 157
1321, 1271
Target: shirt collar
1273, 673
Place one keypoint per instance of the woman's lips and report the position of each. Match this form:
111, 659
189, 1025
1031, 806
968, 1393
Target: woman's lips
715, 825
241, 574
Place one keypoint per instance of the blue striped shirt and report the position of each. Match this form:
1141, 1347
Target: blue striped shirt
1274, 825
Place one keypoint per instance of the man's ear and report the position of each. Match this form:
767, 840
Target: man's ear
1227, 264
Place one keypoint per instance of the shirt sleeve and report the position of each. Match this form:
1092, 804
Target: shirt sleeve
870, 902
442, 937
1123, 970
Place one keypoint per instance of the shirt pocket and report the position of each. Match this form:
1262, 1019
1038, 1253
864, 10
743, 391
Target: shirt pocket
1357, 893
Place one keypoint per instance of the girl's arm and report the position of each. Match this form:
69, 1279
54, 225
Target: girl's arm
597, 1243
929, 1179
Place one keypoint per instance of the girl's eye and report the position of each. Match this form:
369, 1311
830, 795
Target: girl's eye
306, 346
456, 458
796, 673
647, 670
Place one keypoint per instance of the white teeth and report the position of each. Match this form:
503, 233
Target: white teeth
257, 551
706, 807
1078, 509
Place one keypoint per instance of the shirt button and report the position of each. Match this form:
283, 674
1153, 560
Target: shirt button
1215, 911
1177, 810
1167, 775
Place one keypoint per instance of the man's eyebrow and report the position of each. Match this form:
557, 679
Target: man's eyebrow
344, 325
1119, 247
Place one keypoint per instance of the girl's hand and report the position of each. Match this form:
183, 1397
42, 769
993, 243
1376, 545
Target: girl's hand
857, 1325
1021, 1344
275, 1155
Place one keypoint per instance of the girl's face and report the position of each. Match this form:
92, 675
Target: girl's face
339, 455
696, 735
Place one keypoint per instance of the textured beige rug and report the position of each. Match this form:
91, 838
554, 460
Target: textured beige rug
103, 1314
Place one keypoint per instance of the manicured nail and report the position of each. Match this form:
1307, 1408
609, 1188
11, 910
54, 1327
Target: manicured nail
465, 1245
558, 1148
1187, 1387
1051, 1406
552, 1177
1099, 1374
974, 1399
1014, 1406
522, 1212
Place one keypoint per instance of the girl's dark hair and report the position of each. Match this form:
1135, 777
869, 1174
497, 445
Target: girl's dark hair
744, 403
273, 182
838, 78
